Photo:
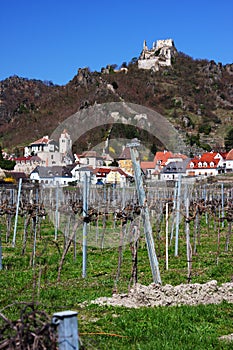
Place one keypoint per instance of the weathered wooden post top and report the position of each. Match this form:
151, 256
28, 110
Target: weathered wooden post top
67, 324
134, 143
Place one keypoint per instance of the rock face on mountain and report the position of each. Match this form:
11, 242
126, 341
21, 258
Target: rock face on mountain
196, 96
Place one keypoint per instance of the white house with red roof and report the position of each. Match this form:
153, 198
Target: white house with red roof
229, 161
39, 145
111, 175
101, 175
51, 152
152, 168
208, 164
161, 159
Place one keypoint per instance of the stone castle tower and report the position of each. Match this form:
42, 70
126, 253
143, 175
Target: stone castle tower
160, 55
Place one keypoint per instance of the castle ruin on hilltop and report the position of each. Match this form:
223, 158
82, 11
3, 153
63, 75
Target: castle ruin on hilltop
161, 54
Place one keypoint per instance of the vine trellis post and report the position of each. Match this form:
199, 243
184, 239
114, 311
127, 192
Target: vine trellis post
145, 211
17, 212
173, 212
178, 215
188, 245
56, 213
167, 236
222, 200
0, 249
85, 214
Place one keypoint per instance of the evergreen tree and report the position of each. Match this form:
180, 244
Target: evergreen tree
229, 140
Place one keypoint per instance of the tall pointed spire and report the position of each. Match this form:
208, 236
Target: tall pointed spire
145, 45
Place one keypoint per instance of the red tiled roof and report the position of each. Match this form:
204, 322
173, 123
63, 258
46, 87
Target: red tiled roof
208, 156
101, 170
197, 161
43, 140
230, 155
162, 157
120, 171
105, 171
148, 165
20, 159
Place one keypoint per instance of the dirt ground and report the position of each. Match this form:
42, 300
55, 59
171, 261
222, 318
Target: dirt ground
167, 295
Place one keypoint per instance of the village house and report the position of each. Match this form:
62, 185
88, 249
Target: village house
208, 164
152, 169
50, 152
37, 146
54, 175
148, 168
27, 164
101, 175
93, 159
174, 169
229, 162
79, 171
124, 161
89, 158
111, 175
117, 177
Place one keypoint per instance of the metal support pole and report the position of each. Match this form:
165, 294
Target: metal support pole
222, 200
85, 214
0, 249
17, 212
56, 213
173, 211
35, 228
145, 212
178, 216
167, 236
67, 324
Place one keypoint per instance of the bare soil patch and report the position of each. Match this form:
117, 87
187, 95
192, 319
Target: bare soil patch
168, 295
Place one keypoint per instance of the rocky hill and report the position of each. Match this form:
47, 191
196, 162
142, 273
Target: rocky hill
195, 95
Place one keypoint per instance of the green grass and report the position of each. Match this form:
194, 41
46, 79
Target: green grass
177, 328
182, 327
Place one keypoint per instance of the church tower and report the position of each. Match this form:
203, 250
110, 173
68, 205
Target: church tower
65, 143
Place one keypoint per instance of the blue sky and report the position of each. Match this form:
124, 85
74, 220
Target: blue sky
51, 39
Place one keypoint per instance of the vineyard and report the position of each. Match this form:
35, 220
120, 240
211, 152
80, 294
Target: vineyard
61, 247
